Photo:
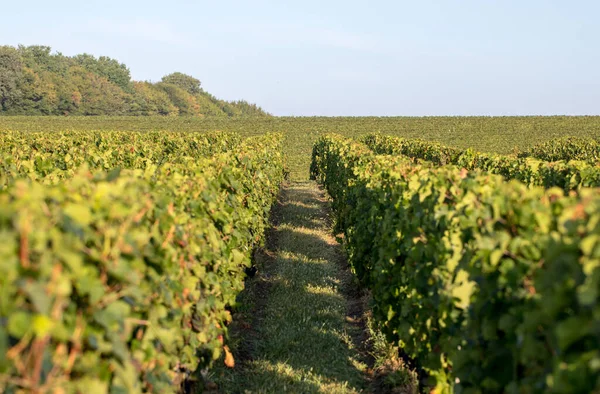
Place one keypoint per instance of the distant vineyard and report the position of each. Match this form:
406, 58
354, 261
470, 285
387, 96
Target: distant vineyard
121, 252
569, 175
503, 135
490, 285
566, 148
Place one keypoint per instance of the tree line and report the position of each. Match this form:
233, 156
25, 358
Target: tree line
36, 81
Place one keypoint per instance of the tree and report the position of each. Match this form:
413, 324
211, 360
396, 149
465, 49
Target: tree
35, 56
40, 58
184, 101
247, 109
106, 67
183, 81
36, 81
10, 76
99, 96
38, 94
148, 99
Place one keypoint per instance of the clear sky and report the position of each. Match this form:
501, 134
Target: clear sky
309, 57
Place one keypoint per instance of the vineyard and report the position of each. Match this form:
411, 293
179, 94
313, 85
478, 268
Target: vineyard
491, 284
121, 253
484, 134
142, 254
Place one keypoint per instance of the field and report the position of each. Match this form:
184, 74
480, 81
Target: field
485, 134
441, 254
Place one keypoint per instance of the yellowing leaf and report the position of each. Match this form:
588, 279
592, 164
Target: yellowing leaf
42, 325
79, 213
229, 361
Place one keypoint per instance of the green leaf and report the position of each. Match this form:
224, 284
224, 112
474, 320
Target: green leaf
19, 324
91, 385
39, 296
79, 213
571, 330
113, 174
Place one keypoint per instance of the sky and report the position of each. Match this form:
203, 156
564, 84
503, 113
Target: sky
342, 58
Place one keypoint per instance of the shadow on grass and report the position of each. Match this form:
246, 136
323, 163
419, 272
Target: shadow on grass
298, 341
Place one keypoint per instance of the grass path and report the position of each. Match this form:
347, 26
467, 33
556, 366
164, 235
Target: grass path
297, 331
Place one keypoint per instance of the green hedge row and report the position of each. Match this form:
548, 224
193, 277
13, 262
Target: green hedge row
571, 175
566, 148
492, 286
51, 157
119, 281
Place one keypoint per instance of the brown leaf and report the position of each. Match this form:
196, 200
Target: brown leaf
579, 212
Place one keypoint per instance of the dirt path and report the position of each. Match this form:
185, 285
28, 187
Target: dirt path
299, 328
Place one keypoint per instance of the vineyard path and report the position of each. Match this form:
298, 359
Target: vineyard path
298, 329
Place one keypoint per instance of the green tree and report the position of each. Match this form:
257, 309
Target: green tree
184, 81
247, 109
40, 57
38, 94
36, 81
106, 67
99, 96
10, 76
149, 99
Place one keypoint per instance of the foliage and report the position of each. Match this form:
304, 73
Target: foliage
106, 67
484, 134
491, 285
185, 103
183, 81
34, 81
151, 100
51, 158
10, 74
566, 175
117, 278
566, 148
